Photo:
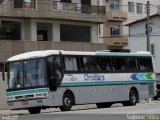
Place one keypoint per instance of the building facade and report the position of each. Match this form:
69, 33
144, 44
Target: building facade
111, 32
27, 25
138, 41
136, 9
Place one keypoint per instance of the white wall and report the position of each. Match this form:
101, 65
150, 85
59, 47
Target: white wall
134, 16
139, 43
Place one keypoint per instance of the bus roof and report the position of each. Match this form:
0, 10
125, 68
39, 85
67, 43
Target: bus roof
45, 53
34, 54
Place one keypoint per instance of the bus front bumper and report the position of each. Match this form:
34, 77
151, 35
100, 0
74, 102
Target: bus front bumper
27, 103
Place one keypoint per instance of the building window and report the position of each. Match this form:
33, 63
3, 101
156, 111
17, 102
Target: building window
75, 33
25, 4
67, 1
153, 49
131, 7
115, 31
114, 5
2, 1
158, 8
10, 30
139, 8
44, 32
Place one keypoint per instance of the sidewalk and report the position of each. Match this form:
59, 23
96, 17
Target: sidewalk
24, 112
78, 107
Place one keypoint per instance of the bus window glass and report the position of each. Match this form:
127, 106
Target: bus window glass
71, 63
142, 65
34, 72
146, 64
123, 65
104, 64
116, 64
131, 64
149, 64
90, 64
15, 75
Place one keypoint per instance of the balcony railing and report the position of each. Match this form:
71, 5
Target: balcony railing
25, 4
79, 8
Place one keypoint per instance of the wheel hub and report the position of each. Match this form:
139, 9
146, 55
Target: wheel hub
67, 101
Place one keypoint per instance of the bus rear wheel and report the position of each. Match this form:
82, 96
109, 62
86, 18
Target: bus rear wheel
133, 98
67, 102
103, 105
34, 110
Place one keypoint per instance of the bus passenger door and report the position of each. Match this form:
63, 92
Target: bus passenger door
54, 72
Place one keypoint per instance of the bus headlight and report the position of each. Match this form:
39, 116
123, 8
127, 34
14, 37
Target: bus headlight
45, 94
10, 98
42, 95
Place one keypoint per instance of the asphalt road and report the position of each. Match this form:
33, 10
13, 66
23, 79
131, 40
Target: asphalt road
142, 111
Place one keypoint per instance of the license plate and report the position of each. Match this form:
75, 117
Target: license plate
24, 102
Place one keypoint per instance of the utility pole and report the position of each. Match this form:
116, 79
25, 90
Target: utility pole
148, 28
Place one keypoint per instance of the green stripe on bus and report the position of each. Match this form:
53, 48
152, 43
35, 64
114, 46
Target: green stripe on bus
95, 84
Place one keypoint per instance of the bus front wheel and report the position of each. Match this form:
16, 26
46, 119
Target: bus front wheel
34, 110
67, 102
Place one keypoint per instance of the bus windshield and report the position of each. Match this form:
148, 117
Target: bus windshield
28, 73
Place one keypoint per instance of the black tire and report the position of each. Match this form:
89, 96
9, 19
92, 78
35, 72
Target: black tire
133, 98
155, 98
103, 105
67, 102
34, 110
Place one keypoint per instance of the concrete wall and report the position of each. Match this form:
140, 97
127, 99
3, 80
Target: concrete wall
139, 43
9, 48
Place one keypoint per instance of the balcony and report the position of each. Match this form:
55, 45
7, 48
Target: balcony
116, 41
116, 16
79, 8
53, 10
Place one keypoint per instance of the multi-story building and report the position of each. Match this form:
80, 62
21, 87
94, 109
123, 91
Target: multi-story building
111, 32
27, 25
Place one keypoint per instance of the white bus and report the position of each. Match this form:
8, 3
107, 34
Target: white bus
56, 78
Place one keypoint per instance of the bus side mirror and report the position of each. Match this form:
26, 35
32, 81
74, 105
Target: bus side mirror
3, 75
3, 72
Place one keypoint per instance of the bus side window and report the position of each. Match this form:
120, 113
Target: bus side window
146, 64
87, 64
131, 63
71, 63
81, 63
90, 64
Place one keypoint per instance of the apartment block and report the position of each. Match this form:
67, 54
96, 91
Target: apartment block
27, 25
111, 32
